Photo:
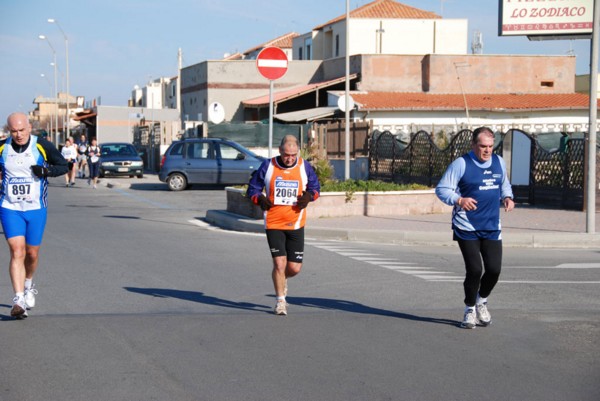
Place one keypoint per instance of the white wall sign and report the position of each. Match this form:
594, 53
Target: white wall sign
545, 17
216, 113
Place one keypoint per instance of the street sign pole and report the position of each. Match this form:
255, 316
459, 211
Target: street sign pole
270, 118
271, 63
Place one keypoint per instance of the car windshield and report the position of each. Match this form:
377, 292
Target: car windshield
118, 149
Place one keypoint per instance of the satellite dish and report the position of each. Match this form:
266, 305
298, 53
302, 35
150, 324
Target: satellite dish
216, 113
342, 103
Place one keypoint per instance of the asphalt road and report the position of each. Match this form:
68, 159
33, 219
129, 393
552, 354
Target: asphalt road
140, 300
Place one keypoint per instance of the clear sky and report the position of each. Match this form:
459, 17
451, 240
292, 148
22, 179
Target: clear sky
116, 44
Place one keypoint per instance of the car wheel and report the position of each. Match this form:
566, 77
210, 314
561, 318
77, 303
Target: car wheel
177, 182
101, 174
140, 176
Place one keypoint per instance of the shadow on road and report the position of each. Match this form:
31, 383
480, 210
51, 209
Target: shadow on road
195, 296
354, 307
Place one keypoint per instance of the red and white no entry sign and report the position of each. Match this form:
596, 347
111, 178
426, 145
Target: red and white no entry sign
272, 63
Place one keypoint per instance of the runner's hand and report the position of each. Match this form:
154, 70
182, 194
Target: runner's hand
264, 202
39, 171
304, 199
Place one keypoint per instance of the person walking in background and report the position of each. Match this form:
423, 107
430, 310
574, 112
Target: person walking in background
93, 155
290, 184
69, 152
26, 161
81, 145
476, 184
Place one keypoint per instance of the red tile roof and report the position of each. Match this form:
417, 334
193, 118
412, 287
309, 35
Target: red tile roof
283, 42
497, 102
384, 9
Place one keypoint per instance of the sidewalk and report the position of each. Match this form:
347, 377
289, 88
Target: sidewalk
525, 226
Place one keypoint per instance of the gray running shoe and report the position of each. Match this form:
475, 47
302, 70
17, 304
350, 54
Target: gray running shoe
469, 320
30, 297
483, 315
281, 308
19, 309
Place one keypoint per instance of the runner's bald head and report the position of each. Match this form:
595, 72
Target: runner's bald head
289, 144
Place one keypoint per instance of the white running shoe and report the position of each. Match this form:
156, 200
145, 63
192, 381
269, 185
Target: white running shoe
19, 309
281, 308
30, 297
469, 320
483, 315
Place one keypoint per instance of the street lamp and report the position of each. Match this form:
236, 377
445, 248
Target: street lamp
44, 76
43, 37
53, 21
456, 67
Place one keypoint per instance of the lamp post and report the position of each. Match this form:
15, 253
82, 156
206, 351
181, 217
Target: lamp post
44, 76
43, 37
456, 67
53, 21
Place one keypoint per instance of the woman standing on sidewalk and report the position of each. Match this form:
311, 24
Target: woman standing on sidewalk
475, 184
93, 162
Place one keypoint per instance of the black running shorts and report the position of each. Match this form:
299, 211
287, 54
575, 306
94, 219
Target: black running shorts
288, 243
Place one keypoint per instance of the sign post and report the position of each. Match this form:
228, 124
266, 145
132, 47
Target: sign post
272, 63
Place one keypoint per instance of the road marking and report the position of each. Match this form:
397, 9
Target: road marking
546, 282
557, 267
422, 272
209, 227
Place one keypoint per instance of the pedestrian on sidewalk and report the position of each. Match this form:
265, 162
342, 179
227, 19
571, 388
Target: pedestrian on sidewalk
69, 152
476, 184
93, 154
290, 183
25, 163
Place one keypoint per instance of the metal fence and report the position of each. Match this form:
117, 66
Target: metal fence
556, 178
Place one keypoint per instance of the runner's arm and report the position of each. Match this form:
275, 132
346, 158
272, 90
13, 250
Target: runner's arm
57, 165
447, 188
257, 182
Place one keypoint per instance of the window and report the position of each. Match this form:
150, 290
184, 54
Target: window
300, 53
547, 84
199, 150
307, 45
337, 45
177, 150
229, 152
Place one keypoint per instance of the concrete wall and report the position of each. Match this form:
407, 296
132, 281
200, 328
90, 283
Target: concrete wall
435, 73
500, 74
231, 82
399, 36
116, 124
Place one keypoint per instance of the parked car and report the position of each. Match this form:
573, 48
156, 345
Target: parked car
120, 159
207, 161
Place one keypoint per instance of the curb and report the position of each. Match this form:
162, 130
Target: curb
235, 222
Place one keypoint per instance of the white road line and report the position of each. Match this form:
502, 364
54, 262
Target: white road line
440, 278
546, 282
210, 227
356, 254
561, 266
404, 267
373, 260
384, 262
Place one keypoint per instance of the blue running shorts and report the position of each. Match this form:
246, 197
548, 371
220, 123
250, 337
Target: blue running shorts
29, 224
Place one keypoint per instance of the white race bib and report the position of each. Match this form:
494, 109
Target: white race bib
19, 189
286, 192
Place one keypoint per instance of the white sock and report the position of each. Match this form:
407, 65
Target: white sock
280, 299
481, 301
28, 283
469, 308
19, 294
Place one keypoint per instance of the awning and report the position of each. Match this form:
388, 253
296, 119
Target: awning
282, 96
307, 115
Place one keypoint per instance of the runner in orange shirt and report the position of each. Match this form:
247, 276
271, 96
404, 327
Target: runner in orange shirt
290, 183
